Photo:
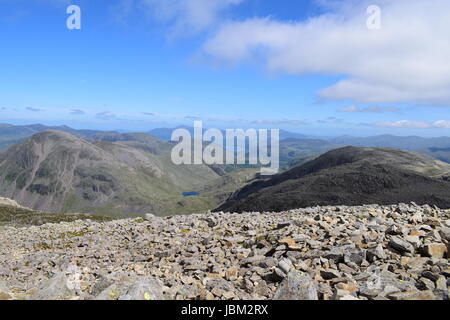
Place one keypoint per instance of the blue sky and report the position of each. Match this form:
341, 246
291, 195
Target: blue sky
306, 66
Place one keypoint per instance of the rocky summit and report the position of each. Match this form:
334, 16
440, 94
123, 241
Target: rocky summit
349, 176
395, 252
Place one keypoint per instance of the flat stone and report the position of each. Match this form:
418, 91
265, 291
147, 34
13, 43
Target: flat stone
435, 250
285, 265
413, 295
276, 276
426, 284
329, 274
401, 245
291, 244
336, 254
269, 263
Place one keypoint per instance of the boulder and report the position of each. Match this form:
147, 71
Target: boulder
401, 245
144, 288
297, 286
435, 250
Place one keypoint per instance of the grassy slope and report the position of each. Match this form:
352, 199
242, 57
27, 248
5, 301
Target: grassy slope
22, 217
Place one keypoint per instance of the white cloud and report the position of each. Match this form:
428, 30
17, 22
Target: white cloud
283, 122
442, 124
187, 16
415, 124
371, 109
105, 115
405, 61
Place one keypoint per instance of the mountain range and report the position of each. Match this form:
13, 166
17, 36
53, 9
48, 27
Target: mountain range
295, 148
61, 169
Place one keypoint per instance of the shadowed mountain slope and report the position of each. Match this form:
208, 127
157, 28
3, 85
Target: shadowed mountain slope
349, 176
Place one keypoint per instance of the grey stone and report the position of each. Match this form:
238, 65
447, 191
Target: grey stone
376, 253
276, 275
355, 256
297, 286
401, 245
336, 254
144, 288
269, 263
58, 287
329, 274
285, 265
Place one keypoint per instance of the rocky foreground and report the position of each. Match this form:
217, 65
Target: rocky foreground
396, 252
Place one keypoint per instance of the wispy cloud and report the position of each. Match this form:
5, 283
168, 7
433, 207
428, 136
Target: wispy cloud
193, 117
371, 109
282, 122
445, 124
105, 115
34, 109
77, 112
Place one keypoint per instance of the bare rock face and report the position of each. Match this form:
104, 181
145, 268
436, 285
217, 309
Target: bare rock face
373, 252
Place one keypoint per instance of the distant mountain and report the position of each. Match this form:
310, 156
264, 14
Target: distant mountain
293, 135
11, 134
438, 147
391, 141
142, 141
295, 148
55, 171
166, 133
294, 152
350, 176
